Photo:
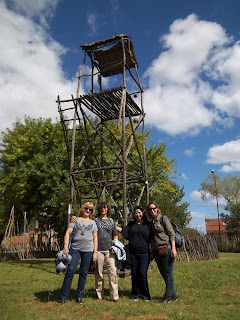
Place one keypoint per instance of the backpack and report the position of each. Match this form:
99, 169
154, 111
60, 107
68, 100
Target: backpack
178, 234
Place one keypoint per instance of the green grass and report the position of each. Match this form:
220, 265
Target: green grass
30, 289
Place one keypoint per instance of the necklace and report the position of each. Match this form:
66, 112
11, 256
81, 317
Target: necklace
83, 228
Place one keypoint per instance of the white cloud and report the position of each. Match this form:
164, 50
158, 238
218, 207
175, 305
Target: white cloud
183, 176
188, 46
115, 5
227, 96
91, 21
199, 215
227, 154
195, 195
177, 109
31, 71
210, 201
180, 97
42, 10
189, 152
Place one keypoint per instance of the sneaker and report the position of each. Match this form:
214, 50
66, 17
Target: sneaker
135, 299
145, 299
164, 301
79, 300
62, 301
175, 299
161, 299
116, 300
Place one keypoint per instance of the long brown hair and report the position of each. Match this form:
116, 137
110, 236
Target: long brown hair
102, 205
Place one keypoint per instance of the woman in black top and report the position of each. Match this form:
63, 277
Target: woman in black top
138, 234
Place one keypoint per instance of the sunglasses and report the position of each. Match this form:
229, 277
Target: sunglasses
150, 209
88, 209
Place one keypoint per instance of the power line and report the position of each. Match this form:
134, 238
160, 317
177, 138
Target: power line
203, 206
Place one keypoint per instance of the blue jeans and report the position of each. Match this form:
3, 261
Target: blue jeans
71, 270
165, 266
139, 269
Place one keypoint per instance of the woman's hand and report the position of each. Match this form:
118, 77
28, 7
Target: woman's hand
94, 256
174, 251
73, 219
119, 229
65, 250
151, 256
66, 240
95, 246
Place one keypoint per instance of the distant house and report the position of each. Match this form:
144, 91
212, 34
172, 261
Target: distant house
212, 225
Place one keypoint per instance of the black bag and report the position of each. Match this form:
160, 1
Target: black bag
178, 234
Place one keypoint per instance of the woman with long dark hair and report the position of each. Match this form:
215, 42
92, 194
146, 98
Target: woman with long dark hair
106, 233
138, 234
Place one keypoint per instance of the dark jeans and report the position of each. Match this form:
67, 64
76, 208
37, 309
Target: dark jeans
165, 266
139, 269
71, 270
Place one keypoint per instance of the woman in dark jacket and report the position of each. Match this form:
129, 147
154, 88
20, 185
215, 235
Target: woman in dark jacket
164, 249
138, 234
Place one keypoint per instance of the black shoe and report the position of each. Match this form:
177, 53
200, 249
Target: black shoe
79, 300
166, 301
161, 299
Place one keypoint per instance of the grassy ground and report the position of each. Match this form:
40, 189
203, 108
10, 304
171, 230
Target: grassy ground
207, 290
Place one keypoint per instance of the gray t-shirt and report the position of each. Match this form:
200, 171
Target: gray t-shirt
83, 235
106, 232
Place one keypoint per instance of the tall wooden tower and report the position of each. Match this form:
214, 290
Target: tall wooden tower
104, 129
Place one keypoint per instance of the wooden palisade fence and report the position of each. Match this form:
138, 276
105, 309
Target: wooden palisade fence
47, 245
29, 246
204, 247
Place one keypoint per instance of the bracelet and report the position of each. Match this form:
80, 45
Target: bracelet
94, 251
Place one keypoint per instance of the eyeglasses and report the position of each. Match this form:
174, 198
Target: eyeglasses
150, 209
88, 209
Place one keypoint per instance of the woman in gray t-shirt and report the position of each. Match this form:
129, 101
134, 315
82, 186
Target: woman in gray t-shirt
106, 233
84, 246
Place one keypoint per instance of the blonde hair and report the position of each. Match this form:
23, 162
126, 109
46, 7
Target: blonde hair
89, 205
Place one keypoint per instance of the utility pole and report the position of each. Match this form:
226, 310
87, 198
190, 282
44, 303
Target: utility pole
219, 229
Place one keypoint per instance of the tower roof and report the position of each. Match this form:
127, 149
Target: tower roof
108, 56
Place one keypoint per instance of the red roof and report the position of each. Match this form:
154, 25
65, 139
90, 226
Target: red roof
212, 225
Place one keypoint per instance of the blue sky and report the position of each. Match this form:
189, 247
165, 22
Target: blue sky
189, 63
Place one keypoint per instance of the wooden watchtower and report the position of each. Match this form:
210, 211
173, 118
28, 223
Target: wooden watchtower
100, 171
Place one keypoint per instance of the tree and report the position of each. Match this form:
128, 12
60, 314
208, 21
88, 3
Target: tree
229, 189
170, 202
34, 172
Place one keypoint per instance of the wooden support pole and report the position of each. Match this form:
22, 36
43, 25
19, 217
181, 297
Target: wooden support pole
123, 106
